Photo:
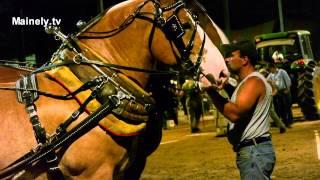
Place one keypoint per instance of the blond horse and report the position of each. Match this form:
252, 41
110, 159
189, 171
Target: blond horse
97, 154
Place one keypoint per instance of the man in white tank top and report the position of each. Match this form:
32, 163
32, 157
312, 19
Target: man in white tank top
248, 112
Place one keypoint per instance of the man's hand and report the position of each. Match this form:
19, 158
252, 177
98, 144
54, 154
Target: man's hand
208, 81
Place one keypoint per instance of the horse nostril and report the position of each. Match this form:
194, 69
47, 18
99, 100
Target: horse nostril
223, 74
210, 78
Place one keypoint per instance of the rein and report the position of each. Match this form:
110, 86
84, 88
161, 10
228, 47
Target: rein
68, 96
102, 64
16, 64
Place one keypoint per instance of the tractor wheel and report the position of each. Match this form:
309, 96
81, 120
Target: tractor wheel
309, 91
316, 86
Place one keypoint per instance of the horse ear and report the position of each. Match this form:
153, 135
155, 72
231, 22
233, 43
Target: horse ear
205, 21
196, 7
199, 11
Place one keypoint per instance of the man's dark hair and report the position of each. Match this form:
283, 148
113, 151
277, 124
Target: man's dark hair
246, 48
271, 65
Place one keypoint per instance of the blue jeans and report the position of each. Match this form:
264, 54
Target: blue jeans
282, 105
256, 162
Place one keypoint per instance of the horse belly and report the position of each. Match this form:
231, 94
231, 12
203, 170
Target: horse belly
16, 135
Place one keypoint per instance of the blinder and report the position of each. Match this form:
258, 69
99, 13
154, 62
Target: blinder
174, 31
173, 28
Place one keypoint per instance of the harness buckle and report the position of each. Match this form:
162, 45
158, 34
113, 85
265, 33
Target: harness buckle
77, 59
117, 98
161, 21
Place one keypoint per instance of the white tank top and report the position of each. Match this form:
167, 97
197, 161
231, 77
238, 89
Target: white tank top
259, 124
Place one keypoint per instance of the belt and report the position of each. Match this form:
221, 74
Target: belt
250, 142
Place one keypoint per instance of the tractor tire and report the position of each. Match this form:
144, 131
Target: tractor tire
309, 91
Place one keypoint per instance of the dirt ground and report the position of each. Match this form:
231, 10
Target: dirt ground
183, 155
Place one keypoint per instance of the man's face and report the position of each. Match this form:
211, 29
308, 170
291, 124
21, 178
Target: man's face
272, 69
234, 62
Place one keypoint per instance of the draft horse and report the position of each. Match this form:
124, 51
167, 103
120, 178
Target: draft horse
87, 113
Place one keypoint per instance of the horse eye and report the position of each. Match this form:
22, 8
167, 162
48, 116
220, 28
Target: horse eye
186, 25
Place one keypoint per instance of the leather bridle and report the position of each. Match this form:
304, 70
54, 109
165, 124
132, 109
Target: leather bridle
172, 27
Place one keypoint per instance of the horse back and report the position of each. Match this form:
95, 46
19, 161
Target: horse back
11, 74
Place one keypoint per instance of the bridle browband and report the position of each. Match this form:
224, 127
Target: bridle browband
171, 27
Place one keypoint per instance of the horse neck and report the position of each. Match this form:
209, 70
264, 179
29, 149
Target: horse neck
216, 34
128, 47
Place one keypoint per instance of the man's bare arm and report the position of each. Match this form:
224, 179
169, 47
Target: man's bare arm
248, 96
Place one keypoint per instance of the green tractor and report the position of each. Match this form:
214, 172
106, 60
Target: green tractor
297, 59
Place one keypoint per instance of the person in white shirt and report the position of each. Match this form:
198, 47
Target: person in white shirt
273, 114
282, 99
247, 112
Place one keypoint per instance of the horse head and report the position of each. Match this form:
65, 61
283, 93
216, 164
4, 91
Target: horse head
139, 33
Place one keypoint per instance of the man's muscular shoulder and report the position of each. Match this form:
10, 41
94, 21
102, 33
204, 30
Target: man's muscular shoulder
252, 88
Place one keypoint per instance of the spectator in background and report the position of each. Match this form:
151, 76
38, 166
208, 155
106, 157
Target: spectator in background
273, 114
282, 98
170, 105
164, 93
194, 103
277, 57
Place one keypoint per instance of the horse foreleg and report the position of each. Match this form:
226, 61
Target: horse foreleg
93, 156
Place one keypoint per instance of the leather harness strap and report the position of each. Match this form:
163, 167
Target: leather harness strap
28, 98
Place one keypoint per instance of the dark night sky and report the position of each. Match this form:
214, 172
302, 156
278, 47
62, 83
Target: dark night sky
14, 43
15, 39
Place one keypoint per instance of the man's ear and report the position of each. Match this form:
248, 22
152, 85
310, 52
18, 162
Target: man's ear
245, 60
